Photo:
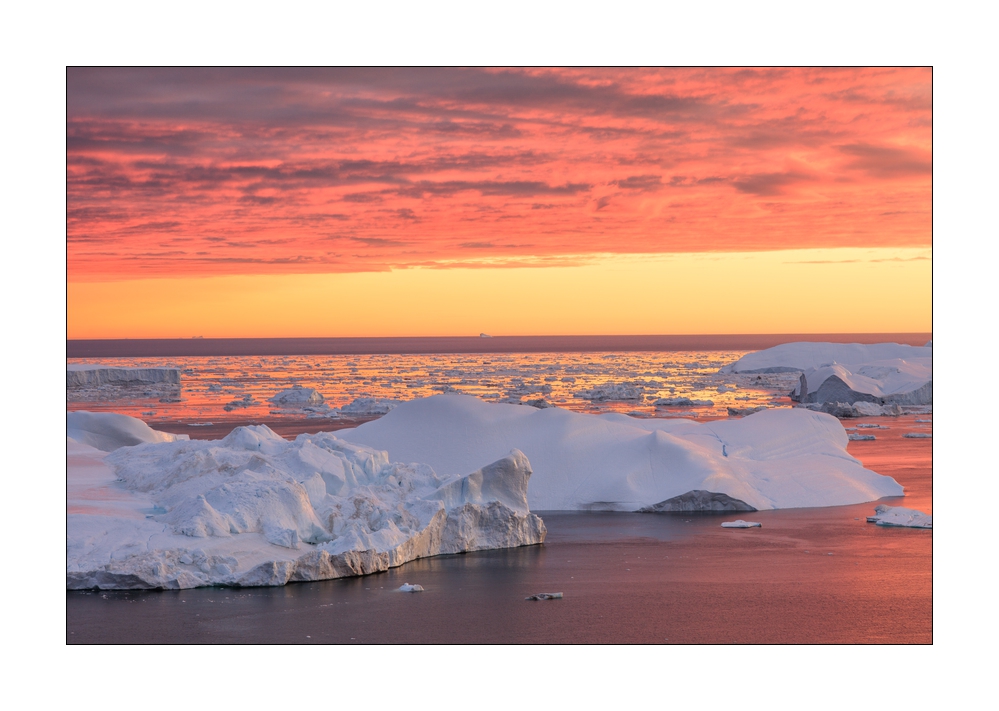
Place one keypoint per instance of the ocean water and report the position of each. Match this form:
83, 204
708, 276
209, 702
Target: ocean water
807, 576
569, 380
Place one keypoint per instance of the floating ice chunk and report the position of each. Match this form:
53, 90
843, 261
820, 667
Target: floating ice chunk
727, 388
861, 437
897, 516
857, 409
918, 435
107, 431
919, 420
246, 401
682, 402
545, 596
744, 411
406, 587
872, 426
364, 406
298, 396
739, 523
612, 391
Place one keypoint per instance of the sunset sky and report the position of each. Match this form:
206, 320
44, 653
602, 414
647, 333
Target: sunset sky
391, 202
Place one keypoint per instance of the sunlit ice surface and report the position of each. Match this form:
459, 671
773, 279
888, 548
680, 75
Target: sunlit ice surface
583, 382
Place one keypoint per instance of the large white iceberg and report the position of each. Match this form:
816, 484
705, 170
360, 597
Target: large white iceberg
800, 356
778, 458
82, 375
256, 509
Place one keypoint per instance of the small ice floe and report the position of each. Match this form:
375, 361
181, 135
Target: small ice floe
247, 401
199, 424
919, 420
682, 402
872, 426
854, 437
739, 523
897, 516
918, 435
406, 587
744, 411
545, 596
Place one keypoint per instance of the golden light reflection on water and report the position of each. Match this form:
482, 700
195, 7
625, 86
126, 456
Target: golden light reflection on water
630, 383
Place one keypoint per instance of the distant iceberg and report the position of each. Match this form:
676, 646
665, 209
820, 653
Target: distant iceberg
612, 391
369, 406
802, 355
780, 458
256, 509
845, 376
297, 396
82, 375
881, 382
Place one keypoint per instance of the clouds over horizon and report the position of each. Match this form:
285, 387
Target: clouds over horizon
225, 171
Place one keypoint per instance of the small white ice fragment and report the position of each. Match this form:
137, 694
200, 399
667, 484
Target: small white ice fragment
406, 587
918, 435
898, 516
739, 523
860, 437
545, 596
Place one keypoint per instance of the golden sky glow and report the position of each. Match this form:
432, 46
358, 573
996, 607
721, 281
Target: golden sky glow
380, 202
795, 291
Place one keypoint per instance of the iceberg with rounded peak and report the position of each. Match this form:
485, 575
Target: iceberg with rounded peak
256, 509
780, 458
108, 431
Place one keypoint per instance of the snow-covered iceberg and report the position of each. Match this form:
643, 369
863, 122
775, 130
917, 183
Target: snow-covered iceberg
82, 375
777, 458
256, 509
802, 355
108, 431
845, 375
882, 382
